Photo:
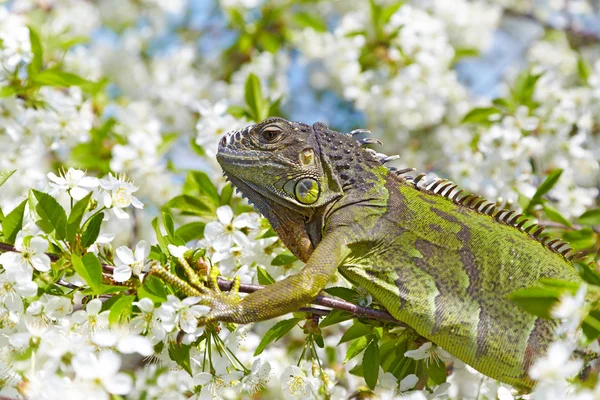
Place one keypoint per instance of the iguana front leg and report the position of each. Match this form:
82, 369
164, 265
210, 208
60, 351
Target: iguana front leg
284, 296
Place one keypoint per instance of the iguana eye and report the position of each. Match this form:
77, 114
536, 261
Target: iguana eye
271, 133
307, 191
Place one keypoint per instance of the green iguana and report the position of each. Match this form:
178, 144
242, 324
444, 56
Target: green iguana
440, 262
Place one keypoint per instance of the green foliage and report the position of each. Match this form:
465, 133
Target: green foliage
356, 348
91, 230
52, 217
4, 175
154, 289
537, 300
371, 364
76, 216
343, 293
190, 231
200, 197
120, 311
13, 223
180, 353
335, 317
276, 332
258, 107
480, 115
90, 269
590, 217
264, 278
584, 70
355, 331
284, 258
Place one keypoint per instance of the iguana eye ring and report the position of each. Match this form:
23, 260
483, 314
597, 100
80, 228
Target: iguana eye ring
307, 191
271, 133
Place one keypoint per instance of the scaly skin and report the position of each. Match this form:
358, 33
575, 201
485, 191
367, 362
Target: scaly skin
441, 267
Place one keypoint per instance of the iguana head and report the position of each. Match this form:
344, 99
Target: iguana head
281, 167
280, 161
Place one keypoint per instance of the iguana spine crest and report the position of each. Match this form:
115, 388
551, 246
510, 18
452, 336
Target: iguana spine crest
446, 188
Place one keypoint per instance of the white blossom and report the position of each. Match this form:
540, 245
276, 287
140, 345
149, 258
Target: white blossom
119, 194
181, 314
74, 182
129, 262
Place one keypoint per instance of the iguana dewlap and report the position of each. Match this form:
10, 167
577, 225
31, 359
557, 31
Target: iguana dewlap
442, 262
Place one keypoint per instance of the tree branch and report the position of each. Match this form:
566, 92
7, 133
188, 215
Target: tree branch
585, 37
225, 285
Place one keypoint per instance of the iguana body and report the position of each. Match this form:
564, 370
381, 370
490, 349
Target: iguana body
442, 267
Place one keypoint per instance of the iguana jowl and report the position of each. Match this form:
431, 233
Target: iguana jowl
442, 263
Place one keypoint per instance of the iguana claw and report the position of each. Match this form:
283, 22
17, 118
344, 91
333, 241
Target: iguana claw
225, 306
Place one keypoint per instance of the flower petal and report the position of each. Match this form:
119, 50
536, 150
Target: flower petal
38, 244
125, 254
122, 273
94, 307
142, 250
78, 193
41, 262
225, 215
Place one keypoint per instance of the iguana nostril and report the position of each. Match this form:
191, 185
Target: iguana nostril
223, 141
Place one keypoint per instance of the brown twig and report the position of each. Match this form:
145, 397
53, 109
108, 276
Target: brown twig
225, 285
583, 36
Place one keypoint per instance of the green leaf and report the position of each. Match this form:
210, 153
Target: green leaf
13, 223
154, 289
502, 103
90, 269
436, 370
355, 331
386, 12
190, 231
371, 364
226, 195
590, 217
38, 53
190, 205
554, 215
335, 317
284, 258
307, 20
276, 332
121, 310
356, 348
163, 243
257, 105
536, 300
584, 70
591, 325
75, 217
4, 175
587, 273
59, 78
92, 230
548, 183
180, 353
581, 239
462, 53
169, 225
480, 115
524, 87
343, 293
8, 91
263, 276
200, 185
52, 214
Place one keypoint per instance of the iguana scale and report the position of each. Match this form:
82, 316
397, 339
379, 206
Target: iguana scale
441, 262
